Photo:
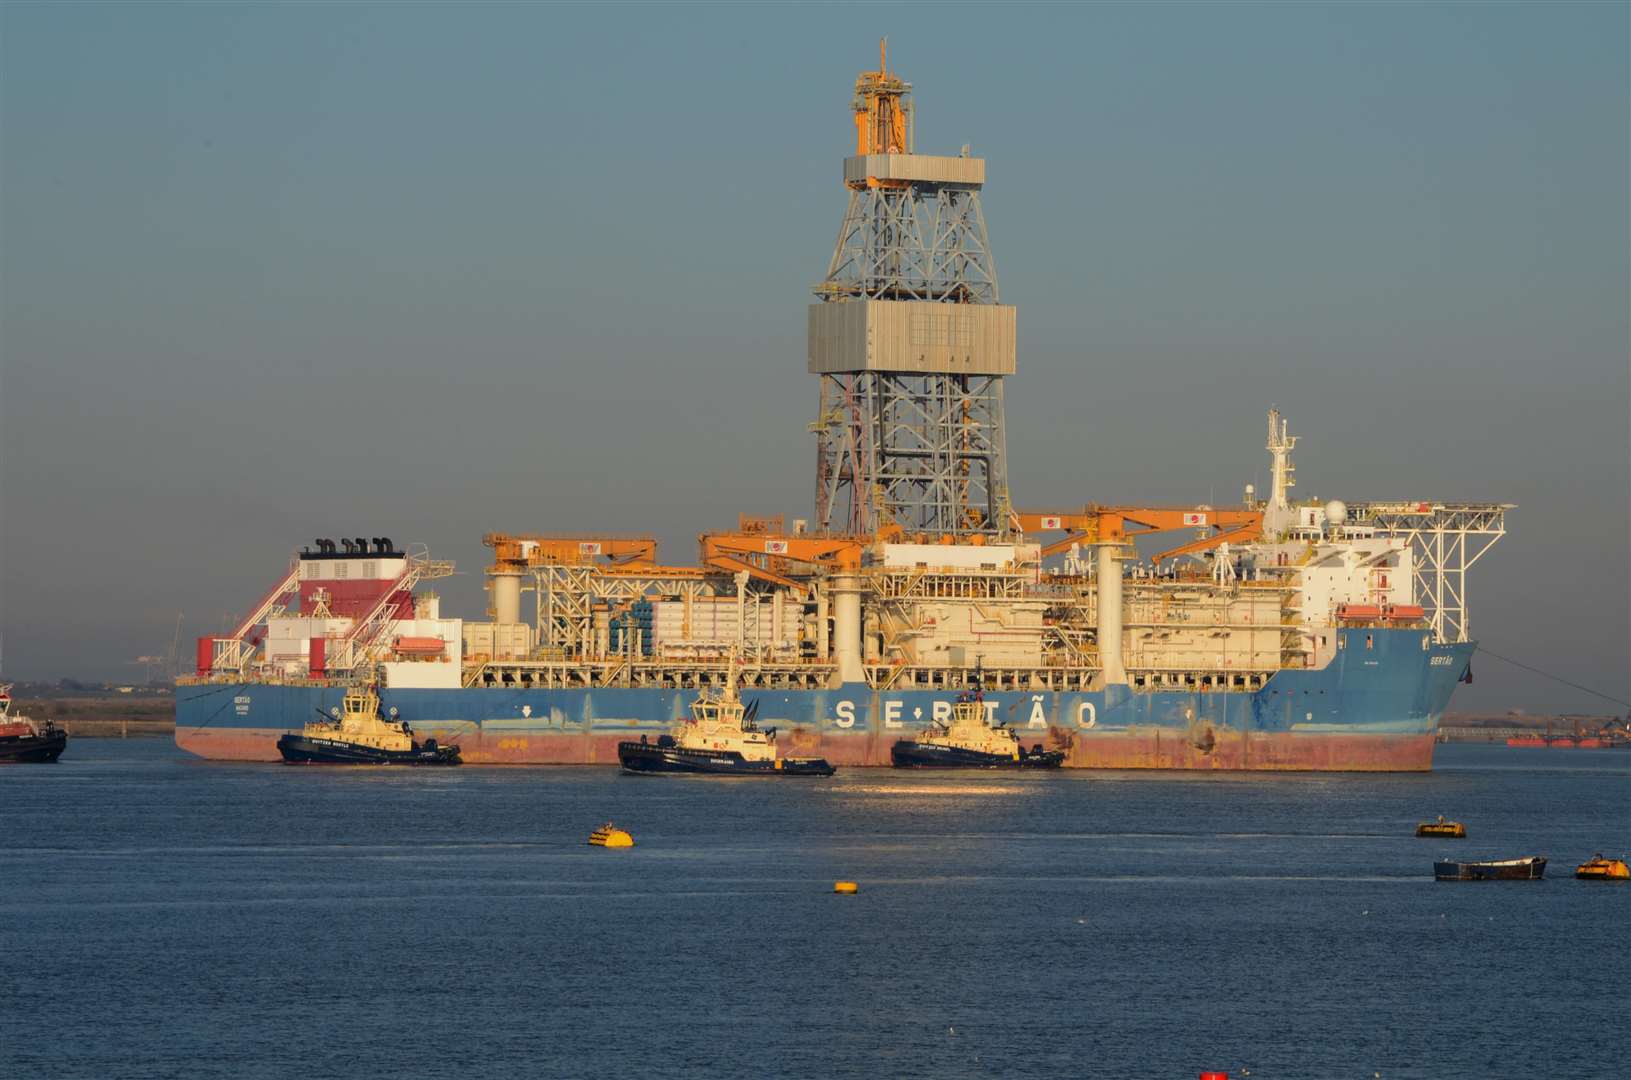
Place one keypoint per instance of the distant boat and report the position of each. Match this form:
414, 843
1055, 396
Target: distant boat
1610, 736
1530, 869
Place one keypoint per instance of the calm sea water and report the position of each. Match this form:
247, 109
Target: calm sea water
161, 916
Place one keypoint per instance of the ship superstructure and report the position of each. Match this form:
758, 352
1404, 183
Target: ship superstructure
1274, 634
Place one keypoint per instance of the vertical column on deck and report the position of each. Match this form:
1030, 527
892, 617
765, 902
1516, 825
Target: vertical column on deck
507, 597
1110, 654
846, 590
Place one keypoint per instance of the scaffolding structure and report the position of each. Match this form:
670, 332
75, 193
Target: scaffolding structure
909, 339
1446, 540
925, 452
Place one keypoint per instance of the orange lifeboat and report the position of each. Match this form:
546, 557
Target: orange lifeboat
419, 646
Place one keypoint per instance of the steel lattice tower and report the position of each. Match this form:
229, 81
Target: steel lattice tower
909, 339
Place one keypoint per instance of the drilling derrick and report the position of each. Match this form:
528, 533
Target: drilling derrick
908, 338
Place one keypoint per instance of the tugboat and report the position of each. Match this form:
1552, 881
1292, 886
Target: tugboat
360, 736
25, 740
721, 738
969, 742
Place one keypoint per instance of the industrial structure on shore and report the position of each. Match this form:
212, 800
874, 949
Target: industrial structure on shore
1270, 635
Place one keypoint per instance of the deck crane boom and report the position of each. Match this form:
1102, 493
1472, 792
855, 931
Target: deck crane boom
1117, 524
767, 556
520, 551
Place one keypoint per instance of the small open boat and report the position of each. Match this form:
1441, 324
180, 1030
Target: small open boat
1449, 830
1598, 868
1531, 869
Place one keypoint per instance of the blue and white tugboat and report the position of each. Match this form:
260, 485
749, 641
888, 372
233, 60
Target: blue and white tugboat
970, 741
359, 735
721, 738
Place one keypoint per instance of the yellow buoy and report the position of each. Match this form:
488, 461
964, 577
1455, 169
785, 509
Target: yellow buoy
1598, 868
845, 887
609, 835
1452, 830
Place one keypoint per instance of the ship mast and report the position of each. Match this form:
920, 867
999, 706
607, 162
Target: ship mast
1278, 515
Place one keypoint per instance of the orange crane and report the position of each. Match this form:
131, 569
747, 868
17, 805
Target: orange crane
1111, 524
520, 551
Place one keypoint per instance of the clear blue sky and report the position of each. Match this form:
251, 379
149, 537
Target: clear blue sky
280, 271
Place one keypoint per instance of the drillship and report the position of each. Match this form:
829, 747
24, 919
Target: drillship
1277, 634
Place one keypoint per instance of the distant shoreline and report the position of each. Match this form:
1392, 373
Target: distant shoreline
105, 716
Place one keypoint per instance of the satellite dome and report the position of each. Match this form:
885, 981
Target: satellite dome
1336, 512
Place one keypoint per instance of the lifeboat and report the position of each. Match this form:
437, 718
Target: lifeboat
1359, 612
419, 646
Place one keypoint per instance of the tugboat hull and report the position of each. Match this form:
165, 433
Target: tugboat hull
915, 755
301, 750
639, 757
32, 749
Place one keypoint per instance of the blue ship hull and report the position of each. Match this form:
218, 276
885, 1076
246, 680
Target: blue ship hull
1376, 706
